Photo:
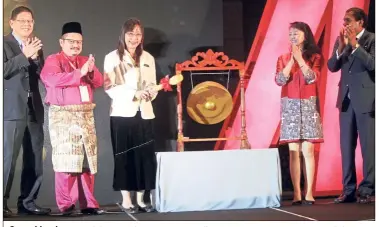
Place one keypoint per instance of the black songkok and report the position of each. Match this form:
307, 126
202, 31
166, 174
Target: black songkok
72, 27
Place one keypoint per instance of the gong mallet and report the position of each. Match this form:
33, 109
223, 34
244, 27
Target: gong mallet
166, 82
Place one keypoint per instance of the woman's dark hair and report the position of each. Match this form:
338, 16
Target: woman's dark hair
128, 26
309, 46
358, 14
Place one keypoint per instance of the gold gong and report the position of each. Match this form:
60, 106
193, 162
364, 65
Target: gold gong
209, 103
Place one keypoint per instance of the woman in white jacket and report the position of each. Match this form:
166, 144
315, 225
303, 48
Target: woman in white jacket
129, 78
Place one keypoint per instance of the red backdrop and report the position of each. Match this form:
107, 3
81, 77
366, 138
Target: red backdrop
263, 95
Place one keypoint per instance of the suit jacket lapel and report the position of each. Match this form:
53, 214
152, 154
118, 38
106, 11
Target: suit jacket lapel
362, 41
13, 43
142, 63
142, 83
350, 57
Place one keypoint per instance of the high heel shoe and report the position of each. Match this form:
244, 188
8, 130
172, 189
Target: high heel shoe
130, 210
296, 203
148, 209
308, 202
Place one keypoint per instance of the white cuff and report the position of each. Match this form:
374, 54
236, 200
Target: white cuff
338, 56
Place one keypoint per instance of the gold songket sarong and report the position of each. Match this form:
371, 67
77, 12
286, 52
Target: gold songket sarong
72, 127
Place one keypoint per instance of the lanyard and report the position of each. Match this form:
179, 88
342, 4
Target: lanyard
72, 65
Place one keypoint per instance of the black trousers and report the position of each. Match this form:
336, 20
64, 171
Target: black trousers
353, 124
29, 134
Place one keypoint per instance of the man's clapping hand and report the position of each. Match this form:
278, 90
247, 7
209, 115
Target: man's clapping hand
88, 66
91, 63
351, 35
31, 47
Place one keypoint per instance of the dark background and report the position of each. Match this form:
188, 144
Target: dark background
174, 31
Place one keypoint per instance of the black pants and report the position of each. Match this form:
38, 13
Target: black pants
29, 134
353, 124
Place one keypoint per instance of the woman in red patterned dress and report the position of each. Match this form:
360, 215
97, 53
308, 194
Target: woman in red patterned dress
297, 72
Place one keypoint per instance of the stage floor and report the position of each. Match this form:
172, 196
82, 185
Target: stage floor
323, 210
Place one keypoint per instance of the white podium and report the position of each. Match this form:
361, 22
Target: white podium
218, 180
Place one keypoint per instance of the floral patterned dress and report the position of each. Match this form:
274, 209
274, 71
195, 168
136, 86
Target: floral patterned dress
300, 113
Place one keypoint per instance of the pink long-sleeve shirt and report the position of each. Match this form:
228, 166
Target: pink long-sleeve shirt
63, 81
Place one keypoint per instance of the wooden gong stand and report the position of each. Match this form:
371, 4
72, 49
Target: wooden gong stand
211, 61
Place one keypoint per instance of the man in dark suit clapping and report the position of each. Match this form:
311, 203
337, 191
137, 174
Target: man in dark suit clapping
23, 111
354, 55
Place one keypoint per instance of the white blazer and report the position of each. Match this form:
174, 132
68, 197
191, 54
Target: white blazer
122, 94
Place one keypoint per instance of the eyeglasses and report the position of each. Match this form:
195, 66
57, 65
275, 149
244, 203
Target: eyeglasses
72, 41
25, 21
131, 34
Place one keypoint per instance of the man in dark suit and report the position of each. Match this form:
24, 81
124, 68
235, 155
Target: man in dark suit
354, 55
23, 111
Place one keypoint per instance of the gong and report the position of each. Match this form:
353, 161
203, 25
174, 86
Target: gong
209, 103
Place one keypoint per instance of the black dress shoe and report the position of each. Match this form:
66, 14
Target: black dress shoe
148, 209
366, 199
68, 211
130, 210
33, 209
93, 211
6, 212
296, 203
345, 199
